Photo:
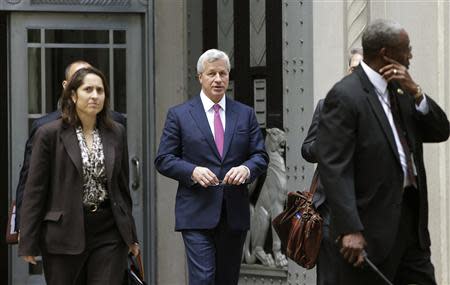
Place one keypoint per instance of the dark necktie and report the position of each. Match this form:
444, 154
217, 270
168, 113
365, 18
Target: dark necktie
399, 127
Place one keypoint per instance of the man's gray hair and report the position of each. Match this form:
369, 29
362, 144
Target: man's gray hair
380, 33
212, 55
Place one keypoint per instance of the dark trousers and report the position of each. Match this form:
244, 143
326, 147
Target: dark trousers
327, 273
103, 262
214, 255
407, 263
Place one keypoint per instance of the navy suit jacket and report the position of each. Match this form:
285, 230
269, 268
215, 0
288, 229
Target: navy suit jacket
187, 142
50, 117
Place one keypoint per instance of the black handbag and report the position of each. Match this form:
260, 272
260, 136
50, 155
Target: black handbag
135, 271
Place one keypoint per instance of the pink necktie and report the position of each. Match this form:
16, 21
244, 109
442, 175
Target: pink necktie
218, 129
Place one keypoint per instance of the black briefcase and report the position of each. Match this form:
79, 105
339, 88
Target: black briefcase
135, 271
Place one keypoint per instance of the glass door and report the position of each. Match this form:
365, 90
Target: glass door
41, 46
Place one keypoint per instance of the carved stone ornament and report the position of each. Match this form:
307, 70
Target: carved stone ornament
13, 1
269, 204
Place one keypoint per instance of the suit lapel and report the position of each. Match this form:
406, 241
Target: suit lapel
108, 151
198, 114
378, 110
231, 117
70, 141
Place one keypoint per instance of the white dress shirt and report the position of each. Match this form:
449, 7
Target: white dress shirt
381, 90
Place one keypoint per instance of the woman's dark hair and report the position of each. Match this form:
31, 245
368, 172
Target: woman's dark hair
68, 108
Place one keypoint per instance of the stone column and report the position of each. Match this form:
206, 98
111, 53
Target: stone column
170, 89
357, 17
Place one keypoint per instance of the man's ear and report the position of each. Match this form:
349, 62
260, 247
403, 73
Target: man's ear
383, 52
199, 77
64, 83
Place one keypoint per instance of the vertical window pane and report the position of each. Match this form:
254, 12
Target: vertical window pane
225, 28
30, 123
120, 84
119, 37
34, 35
257, 33
34, 80
56, 61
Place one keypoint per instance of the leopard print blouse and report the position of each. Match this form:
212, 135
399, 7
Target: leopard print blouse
94, 174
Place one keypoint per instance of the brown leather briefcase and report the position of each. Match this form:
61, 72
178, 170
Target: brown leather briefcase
12, 237
299, 227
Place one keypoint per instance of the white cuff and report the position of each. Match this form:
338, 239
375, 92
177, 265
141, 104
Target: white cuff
248, 172
423, 106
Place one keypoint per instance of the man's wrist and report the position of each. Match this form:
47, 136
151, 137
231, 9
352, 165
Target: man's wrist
192, 176
248, 171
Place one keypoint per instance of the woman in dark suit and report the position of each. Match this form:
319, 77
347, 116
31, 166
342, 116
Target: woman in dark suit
76, 210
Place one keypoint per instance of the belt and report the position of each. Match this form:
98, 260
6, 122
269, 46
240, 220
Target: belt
95, 207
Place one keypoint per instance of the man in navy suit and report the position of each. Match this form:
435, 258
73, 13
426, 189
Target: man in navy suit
70, 70
213, 146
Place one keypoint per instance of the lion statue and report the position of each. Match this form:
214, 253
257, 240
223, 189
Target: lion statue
269, 204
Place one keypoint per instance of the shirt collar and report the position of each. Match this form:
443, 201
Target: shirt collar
375, 78
208, 103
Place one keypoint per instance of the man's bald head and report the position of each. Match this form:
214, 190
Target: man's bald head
72, 68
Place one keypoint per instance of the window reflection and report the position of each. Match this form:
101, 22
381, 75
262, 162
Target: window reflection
34, 80
119, 37
225, 28
120, 84
34, 35
77, 36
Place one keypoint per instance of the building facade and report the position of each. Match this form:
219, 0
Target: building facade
285, 56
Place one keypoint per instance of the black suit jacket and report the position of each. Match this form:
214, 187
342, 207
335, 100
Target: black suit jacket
308, 147
52, 210
359, 162
309, 152
27, 154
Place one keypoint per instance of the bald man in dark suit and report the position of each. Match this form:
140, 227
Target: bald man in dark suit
370, 149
